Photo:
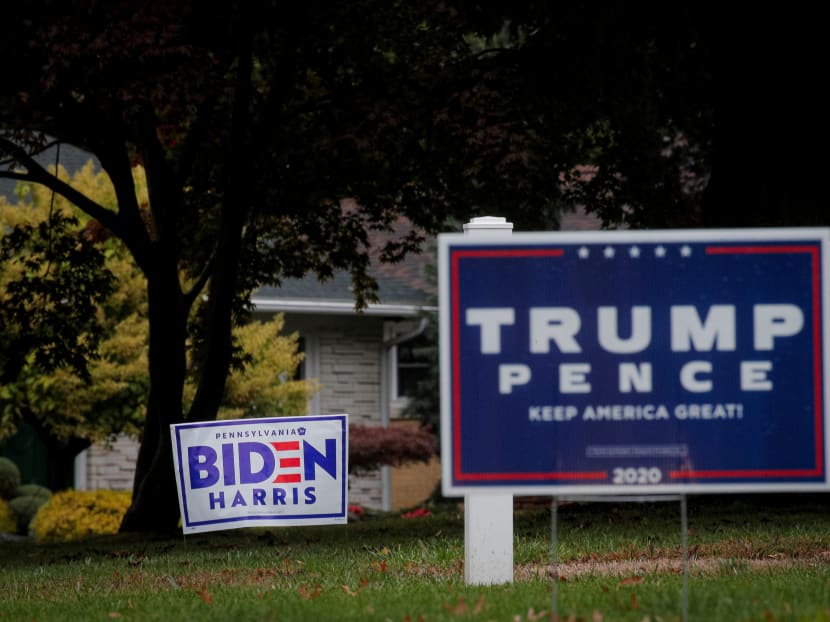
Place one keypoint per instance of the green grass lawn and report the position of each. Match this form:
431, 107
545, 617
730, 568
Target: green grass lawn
752, 558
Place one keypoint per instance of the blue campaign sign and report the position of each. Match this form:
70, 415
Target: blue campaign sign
656, 361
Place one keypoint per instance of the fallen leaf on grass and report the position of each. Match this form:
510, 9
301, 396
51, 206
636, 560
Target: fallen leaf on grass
136, 560
634, 602
205, 595
631, 581
264, 574
309, 592
461, 608
349, 590
363, 583
114, 615
458, 609
479, 605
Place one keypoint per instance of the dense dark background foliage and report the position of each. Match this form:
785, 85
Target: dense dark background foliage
256, 121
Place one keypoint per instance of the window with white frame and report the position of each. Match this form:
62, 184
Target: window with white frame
411, 365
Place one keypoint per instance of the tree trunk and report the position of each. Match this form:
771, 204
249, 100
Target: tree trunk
155, 499
155, 506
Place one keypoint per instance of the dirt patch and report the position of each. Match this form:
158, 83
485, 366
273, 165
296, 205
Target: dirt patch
645, 566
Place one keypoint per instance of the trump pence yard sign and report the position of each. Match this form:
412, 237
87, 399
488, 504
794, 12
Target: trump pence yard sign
609, 362
261, 472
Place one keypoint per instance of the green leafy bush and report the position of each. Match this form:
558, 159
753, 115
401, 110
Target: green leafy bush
9, 478
8, 523
77, 514
24, 509
33, 490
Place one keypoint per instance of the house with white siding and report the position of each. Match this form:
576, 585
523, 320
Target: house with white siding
360, 360
357, 357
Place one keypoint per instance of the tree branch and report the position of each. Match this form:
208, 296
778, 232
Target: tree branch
201, 281
39, 175
126, 223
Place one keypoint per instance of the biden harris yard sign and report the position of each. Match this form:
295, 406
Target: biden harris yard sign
261, 472
630, 362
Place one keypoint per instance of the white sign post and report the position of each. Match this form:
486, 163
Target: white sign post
488, 517
261, 472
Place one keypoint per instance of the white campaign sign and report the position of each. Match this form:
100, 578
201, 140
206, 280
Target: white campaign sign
261, 472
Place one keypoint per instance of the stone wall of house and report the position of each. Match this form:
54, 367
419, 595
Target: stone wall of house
110, 468
366, 489
349, 372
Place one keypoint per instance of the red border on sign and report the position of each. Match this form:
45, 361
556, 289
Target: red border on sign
812, 250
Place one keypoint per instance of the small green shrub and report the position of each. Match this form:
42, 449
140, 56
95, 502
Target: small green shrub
24, 509
8, 523
33, 490
77, 514
9, 478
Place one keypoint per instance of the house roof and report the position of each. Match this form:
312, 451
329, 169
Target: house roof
579, 220
399, 295
403, 287
71, 158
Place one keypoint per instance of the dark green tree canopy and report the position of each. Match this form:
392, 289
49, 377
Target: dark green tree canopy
275, 136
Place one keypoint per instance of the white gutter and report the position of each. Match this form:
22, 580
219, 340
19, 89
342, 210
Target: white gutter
398, 339
329, 307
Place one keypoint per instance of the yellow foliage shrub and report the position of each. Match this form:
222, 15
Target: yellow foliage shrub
77, 514
8, 523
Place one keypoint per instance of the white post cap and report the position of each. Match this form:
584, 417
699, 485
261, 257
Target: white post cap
488, 224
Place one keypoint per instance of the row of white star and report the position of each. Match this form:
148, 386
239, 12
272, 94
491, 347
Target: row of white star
634, 251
